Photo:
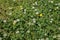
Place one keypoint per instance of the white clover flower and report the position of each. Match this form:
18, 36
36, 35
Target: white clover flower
10, 13
58, 3
33, 7
58, 38
50, 10
4, 21
14, 0
39, 24
38, 39
35, 39
0, 38
14, 22
57, 7
10, 7
17, 20
28, 31
42, 39
58, 35
34, 20
59, 28
37, 12
54, 36
29, 23
35, 3
51, 1
45, 4
31, 16
24, 11
4, 34
51, 21
45, 34
17, 32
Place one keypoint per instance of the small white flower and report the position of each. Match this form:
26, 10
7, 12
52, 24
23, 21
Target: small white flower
30, 23
58, 38
45, 4
33, 7
10, 13
17, 32
58, 35
50, 10
10, 7
51, 1
18, 20
58, 3
14, 0
45, 34
4, 21
54, 36
42, 39
31, 16
37, 12
34, 20
50, 21
38, 39
4, 34
35, 39
0, 38
39, 24
57, 7
24, 11
35, 3
59, 28
14, 22
28, 31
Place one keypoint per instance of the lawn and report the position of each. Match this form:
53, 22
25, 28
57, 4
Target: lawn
29, 19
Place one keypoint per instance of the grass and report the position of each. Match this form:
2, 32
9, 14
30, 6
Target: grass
29, 19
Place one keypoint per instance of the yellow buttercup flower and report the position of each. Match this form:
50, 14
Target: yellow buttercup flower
41, 15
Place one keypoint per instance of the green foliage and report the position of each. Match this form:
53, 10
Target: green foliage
29, 19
